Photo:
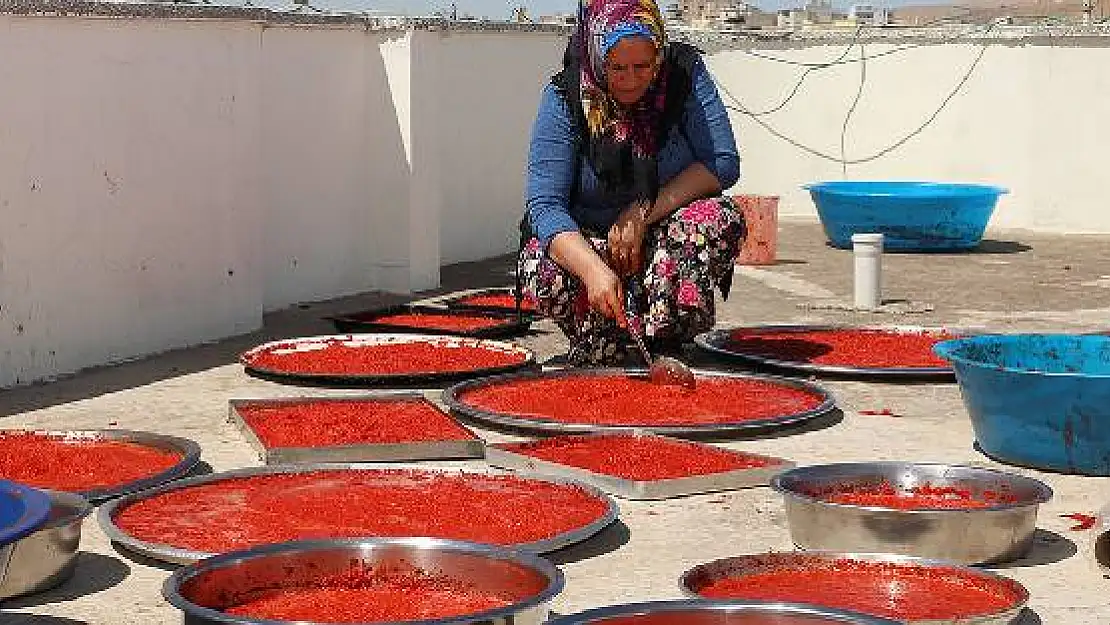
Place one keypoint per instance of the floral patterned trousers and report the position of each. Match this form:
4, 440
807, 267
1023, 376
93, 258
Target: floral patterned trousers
689, 253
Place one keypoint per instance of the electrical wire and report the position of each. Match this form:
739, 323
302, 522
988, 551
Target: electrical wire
805, 74
843, 160
852, 109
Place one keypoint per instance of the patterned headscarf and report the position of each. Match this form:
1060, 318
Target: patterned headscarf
601, 25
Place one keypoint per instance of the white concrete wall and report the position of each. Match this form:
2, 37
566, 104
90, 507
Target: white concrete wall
163, 182
1030, 118
129, 195
490, 85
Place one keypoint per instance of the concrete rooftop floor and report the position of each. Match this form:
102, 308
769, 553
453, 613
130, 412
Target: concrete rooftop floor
1016, 280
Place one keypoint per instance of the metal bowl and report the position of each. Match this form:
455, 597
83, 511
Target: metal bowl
694, 580
977, 536
697, 612
46, 558
203, 590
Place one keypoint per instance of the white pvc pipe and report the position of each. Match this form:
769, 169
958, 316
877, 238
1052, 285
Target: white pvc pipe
867, 250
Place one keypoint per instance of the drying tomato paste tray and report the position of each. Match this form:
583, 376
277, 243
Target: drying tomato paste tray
719, 342
260, 361
465, 445
188, 450
463, 301
107, 516
818, 402
487, 323
497, 455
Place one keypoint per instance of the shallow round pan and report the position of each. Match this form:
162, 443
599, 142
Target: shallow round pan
717, 342
106, 516
416, 377
453, 397
188, 449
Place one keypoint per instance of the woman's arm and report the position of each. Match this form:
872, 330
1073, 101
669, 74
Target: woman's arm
716, 164
552, 159
716, 167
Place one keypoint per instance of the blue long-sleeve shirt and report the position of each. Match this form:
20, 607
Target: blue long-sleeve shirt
705, 137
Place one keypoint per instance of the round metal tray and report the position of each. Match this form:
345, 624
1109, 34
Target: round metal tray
189, 450
369, 321
106, 516
416, 377
717, 342
452, 396
701, 612
456, 301
753, 564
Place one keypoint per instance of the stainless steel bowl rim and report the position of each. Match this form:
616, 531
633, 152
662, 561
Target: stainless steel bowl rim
79, 506
190, 455
106, 514
737, 605
948, 347
452, 397
170, 589
1022, 600
1045, 493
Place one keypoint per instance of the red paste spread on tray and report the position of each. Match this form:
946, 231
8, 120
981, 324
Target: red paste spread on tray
506, 301
905, 592
368, 597
78, 463
350, 422
923, 497
860, 348
243, 512
626, 400
339, 357
453, 321
637, 457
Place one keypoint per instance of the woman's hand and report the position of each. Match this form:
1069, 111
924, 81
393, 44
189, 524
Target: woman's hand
626, 240
605, 292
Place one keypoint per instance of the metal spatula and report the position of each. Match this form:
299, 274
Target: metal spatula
663, 369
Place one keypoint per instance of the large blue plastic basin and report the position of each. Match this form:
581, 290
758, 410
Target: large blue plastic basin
1037, 400
22, 510
912, 216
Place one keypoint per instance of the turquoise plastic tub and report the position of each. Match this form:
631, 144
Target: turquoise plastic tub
911, 216
1037, 400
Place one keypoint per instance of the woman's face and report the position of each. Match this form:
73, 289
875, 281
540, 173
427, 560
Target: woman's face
630, 68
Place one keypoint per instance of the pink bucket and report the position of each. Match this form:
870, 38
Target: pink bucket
761, 213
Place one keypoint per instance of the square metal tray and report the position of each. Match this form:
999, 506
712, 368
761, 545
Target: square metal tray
642, 489
365, 452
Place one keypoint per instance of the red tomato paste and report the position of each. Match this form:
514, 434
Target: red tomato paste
338, 357
923, 497
78, 464
626, 400
242, 512
637, 457
448, 322
367, 597
506, 301
903, 592
861, 348
350, 422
